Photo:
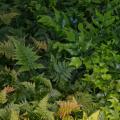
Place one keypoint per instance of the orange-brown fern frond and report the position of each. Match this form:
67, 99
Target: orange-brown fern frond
8, 89
66, 107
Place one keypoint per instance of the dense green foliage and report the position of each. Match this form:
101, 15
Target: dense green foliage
59, 60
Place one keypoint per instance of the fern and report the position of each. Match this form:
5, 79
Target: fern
8, 76
42, 80
10, 112
3, 97
86, 101
7, 49
40, 45
42, 110
66, 107
25, 57
14, 115
22, 90
7, 17
60, 70
3, 114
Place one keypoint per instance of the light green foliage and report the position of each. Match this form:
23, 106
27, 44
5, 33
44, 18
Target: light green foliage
75, 61
94, 116
3, 97
14, 115
113, 111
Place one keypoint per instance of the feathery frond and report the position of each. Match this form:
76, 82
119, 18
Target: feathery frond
66, 107
7, 49
42, 110
3, 97
7, 17
25, 57
40, 45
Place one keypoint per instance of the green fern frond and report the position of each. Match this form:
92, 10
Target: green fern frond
25, 91
25, 57
7, 49
86, 101
55, 93
8, 72
3, 114
3, 97
29, 86
60, 70
46, 82
42, 110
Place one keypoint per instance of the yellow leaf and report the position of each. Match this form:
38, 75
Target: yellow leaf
95, 116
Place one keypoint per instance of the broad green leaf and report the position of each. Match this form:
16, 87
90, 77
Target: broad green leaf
75, 61
47, 20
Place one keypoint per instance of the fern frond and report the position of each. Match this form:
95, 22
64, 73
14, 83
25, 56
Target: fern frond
8, 89
40, 45
25, 57
66, 107
22, 90
60, 70
46, 82
55, 93
7, 49
7, 17
86, 101
3, 97
8, 72
42, 110
3, 114
28, 86
14, 115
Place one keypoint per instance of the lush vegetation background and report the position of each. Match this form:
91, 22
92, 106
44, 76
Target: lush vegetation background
59, 59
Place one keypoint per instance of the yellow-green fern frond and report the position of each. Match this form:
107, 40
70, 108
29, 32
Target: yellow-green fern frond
14, 115
3, 97
40, 45
7, 17
7, 49
42, 110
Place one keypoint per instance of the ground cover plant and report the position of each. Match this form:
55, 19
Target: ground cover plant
59, 60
